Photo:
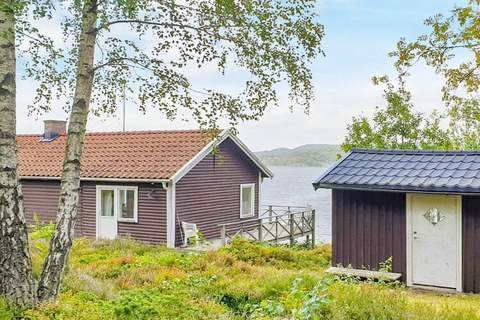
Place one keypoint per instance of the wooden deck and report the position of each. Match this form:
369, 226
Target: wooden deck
277, 224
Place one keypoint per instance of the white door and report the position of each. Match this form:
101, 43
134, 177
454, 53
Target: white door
106, 214
435, 238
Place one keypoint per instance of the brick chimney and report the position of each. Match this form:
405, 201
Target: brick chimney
54, 128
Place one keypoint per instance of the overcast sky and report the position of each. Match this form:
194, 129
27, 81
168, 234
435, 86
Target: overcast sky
359, 35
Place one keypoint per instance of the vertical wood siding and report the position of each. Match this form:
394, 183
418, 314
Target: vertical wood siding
152, 213
210, 193
368, 228
41, 199
471, 243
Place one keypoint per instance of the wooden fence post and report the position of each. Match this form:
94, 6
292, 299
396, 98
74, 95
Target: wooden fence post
270, 213
313, 228
223, 234
303, 222
260, 230
276, 229
292, 229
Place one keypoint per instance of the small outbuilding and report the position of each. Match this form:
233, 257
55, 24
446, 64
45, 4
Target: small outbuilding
421, 208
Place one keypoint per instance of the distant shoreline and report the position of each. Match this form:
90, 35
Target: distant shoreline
310, 155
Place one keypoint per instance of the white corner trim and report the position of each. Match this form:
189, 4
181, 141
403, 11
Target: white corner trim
208, 149
171, 215
408, 236
260, 181
459, 244
242, 186
409, 242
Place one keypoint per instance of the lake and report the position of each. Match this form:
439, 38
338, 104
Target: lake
293, 186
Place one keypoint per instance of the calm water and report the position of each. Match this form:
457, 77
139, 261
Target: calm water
293, 186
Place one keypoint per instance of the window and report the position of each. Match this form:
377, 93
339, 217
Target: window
247, 200
127, 204
120, 202
107, 203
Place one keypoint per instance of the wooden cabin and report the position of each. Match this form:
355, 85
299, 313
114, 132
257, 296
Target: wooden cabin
144, 184
421, 208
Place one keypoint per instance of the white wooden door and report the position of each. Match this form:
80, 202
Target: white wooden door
435, 237
106, 213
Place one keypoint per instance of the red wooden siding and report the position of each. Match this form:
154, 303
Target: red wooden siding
152, 213
368, 228
41, 199
471, 243
210, 193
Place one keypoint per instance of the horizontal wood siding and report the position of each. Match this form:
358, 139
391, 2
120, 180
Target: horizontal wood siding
471, 243
41, 199
368, 228
152, 213
210, 193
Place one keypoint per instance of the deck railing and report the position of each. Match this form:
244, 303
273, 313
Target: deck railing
275, 224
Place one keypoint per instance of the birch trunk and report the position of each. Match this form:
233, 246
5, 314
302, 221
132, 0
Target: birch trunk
16, 281
61, 243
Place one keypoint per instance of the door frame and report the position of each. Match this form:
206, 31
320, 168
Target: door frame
409, 235
98, 204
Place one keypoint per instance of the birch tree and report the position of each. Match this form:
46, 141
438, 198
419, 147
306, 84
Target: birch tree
16, 280
149, 46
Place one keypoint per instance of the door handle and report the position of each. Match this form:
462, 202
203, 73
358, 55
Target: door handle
415, 235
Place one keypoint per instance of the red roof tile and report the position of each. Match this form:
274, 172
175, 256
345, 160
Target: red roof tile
129, 155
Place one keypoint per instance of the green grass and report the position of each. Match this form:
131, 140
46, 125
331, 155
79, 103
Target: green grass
124, 279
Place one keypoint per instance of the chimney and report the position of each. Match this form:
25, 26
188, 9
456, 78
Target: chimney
53, 128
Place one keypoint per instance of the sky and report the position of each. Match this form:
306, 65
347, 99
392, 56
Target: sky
358, 37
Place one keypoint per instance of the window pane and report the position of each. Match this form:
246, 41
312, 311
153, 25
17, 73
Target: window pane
247, 198
107, 203
127, 203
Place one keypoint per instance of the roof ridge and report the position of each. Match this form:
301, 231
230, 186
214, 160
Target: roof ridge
412, 151
97, 133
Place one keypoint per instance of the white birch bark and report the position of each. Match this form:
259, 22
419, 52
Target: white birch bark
17, 285
61, 243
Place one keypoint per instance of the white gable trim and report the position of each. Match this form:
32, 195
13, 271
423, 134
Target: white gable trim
209, 148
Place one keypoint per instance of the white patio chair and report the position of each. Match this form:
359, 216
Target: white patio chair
190, 230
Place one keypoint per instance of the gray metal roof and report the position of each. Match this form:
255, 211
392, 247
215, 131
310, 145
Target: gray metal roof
405, 170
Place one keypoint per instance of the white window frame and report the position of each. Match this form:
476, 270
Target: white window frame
116, 196
244, 186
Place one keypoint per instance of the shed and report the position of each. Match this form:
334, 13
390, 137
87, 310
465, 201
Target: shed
421, 208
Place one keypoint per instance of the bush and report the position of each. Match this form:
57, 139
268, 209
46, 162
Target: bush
279, 256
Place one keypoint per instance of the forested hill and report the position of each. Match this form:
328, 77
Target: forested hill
309, 155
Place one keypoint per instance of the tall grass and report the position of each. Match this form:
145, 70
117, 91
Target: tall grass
125, 279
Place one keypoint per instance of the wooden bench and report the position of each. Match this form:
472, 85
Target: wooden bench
366, 274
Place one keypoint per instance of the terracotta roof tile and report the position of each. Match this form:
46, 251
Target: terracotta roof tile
132, 155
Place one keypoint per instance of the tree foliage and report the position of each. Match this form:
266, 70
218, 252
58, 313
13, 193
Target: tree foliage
452, 49
151, 46
396, 126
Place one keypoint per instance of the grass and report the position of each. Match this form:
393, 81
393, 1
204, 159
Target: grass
125, 279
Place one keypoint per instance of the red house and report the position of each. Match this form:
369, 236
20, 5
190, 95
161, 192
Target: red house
144, 184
